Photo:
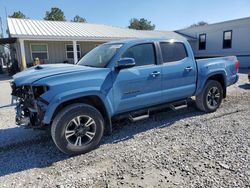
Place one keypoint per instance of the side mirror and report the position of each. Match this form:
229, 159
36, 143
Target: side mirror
125, 63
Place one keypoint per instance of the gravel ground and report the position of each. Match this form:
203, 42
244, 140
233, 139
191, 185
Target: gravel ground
186, 148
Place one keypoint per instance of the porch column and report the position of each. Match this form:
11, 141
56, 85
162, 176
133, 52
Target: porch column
23, 57
75, 51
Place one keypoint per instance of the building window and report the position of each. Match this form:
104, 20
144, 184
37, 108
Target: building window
39, 51
202, 41
172, 52
70, 51
227, 39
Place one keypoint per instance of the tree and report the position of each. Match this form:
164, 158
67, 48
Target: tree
18, 14
141, 24
55, 14
201, 23
78, 18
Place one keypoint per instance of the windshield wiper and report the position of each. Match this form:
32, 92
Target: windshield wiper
93, 66
88, 65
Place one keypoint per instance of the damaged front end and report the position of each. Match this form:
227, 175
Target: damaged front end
30, 107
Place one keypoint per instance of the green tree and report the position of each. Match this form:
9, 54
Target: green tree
141, 24
18, 14
55, 14
78, 18
201, 23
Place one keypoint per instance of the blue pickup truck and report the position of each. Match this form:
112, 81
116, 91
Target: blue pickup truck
121, 79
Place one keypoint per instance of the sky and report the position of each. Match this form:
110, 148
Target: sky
165, 14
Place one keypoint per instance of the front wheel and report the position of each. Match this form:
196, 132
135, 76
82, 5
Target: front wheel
77, 129
209, 100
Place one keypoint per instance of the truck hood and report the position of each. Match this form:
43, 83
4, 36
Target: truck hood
43, 71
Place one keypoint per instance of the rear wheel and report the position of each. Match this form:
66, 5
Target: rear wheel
209, 100
77, 129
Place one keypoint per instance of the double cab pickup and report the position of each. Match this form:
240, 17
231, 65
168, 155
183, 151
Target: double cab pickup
119, 79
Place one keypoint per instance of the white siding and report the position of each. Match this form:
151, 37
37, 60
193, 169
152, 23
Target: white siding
214, 40
57, 50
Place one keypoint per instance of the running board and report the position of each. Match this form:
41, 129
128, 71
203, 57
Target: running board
175, 107
144, 113
138, 118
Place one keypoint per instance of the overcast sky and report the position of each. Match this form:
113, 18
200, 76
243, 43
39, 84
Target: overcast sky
165, 14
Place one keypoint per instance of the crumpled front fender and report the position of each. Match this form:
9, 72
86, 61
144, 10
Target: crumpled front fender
71, 95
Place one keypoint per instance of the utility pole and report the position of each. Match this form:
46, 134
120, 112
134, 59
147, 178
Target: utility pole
6, 17
1, 28
6, 13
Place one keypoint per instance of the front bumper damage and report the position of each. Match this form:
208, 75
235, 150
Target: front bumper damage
30, 108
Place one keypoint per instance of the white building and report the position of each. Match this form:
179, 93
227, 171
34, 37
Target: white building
222, 39
58, 42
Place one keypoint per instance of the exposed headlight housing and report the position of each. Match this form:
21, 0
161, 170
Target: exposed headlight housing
39, 90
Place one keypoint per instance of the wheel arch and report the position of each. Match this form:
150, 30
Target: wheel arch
217, 76
93, 100
221, 79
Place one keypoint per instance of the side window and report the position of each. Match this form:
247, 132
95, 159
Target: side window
173, 51
144, 54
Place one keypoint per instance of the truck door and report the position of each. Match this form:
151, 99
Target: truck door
178, 72
139, 86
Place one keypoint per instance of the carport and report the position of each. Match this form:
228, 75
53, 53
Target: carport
6, 42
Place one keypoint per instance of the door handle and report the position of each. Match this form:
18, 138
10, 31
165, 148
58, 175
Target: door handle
155, 73
189, 68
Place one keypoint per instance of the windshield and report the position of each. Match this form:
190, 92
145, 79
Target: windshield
100, 56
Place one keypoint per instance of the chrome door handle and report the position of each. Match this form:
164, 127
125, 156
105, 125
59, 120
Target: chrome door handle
189, 68
155, 73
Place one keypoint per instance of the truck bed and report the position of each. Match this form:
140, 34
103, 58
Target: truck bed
227, 66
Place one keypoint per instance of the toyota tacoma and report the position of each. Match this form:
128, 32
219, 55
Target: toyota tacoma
119, 79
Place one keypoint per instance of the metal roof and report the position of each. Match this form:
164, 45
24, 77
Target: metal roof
188, 37
220, 26
58, 30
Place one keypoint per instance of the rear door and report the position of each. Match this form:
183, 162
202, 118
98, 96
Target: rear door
178, 72
139, 86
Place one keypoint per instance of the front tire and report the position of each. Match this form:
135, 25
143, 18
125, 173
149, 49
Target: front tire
77, 129
209, 100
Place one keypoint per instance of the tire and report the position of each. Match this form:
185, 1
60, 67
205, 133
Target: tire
209, 100
77, 129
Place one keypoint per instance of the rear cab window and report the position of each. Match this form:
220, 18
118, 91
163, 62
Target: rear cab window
172, 52
143, 54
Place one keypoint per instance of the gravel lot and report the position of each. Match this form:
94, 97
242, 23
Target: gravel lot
186, 148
